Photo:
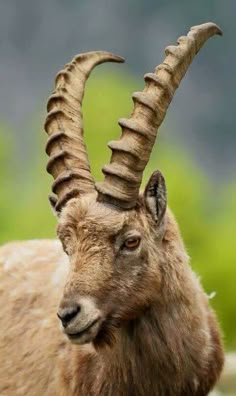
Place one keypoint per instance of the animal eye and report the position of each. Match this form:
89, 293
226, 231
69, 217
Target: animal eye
132, 243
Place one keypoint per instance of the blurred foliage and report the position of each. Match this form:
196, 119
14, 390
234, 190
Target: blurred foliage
206, 214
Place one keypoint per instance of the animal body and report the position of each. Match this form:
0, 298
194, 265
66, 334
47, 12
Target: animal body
134, 318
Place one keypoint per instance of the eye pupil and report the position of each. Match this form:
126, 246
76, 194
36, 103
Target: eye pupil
132, 243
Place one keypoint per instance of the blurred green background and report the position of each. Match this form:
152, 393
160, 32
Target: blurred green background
196, 145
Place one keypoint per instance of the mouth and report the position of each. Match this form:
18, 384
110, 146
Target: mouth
86, 334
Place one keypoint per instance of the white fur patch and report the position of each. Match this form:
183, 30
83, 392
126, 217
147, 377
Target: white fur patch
17, 257
195, 383
37, 312
211, 295
44, 323
88, 348
61, 271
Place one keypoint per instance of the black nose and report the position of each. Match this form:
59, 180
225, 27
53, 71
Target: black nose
67, 314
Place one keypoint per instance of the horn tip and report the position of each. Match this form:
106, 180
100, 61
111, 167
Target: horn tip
99, 56
217, 29
213, 27
117, 58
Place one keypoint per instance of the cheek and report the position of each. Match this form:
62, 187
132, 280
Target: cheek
130, 270
138, 276
134, 289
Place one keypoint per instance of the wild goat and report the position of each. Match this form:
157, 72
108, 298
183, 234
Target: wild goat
135, 319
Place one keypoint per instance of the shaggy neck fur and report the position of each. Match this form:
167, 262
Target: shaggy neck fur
171, 350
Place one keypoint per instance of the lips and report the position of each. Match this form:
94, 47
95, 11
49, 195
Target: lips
86, 334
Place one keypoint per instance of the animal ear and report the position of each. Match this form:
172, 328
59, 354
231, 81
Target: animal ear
53, 201
155, 196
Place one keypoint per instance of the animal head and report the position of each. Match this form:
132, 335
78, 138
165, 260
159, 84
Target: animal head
113, 234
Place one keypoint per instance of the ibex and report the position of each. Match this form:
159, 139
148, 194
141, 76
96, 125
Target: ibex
134, 316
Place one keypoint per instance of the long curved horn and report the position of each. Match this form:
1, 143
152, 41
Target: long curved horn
68, 162
130, 154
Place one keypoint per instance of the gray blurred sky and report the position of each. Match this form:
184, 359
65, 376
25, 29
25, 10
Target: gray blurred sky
38, 37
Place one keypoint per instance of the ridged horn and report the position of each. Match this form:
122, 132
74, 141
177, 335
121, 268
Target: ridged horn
68, 162
130, 154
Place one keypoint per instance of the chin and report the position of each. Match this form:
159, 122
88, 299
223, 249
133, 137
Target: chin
82, 340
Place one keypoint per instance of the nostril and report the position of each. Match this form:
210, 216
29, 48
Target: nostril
66, 315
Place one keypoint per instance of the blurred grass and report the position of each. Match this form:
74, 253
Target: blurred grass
206, 214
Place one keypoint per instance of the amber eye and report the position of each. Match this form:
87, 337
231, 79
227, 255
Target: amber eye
132, 243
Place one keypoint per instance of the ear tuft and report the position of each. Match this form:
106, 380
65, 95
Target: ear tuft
155, 195
53, 201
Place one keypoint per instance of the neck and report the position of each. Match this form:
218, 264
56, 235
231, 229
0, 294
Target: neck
146, 354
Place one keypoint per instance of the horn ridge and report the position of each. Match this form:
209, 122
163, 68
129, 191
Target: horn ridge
68, 161
149, 111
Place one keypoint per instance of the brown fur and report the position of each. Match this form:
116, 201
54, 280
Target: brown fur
158, 335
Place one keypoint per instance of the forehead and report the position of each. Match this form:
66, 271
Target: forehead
87, 213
